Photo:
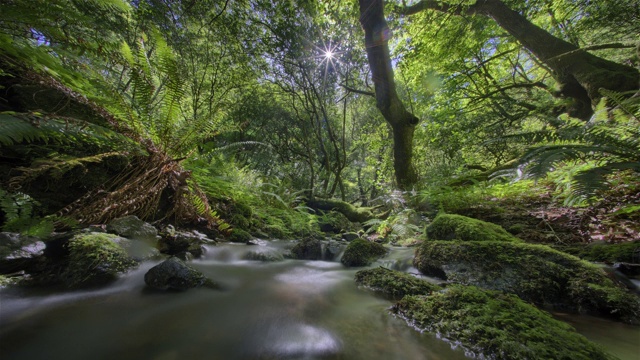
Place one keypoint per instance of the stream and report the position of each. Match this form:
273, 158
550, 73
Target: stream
293, 309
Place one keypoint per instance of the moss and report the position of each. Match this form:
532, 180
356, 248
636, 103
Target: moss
239, 221
394, 284
307, 249
94, 259
495, 324
536, 273
628, 252
458, 227
334, 222
361, 252
239, 236
8, 281
352, 213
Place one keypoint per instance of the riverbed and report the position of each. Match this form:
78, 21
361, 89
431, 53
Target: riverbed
292, 309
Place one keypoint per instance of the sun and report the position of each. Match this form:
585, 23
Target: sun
329, 54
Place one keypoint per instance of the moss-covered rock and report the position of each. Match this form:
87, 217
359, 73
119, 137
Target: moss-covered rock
307, 249
239, 236
334, 222
95, 259
264, 256
536, 273
458, 227
394, 284
361, 252
628, 252
174, 274
496, 325
132, 227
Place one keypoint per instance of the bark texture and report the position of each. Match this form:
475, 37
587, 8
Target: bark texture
402, 122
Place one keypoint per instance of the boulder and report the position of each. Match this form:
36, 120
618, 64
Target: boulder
179, 243
95, 259
495, 325
239, 236
350, 236
536, 273
174, 274
361, 252
263, 255
307, 249
458, 227
394, 284
18, 252
332, 249
133, 228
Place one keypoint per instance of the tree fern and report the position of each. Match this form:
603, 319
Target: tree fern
611, 141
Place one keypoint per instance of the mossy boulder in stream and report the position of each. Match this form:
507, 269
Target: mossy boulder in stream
361, 252
458, 227
307, 249
132, 227
628, 252
394, 284
495, 325
95, 259
239, 236
536, 273
174, 274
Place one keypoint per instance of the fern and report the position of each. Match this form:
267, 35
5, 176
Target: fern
609, 141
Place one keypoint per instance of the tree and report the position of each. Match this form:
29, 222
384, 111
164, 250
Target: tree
580, 74
402, 122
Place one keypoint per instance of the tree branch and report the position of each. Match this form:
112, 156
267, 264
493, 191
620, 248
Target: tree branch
363, 92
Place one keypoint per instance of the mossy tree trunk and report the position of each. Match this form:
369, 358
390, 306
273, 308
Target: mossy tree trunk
580, 74
402, 122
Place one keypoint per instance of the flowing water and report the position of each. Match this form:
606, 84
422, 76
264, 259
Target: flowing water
292, 309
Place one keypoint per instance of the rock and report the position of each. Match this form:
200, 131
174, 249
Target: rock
536, 273
350, 236
629, 270
361, 252
394, 284
332, 250
307, 249
19, 252
264, 256
177, 243
239, 236
458, 227
95, 259
334, 222
133, 228
174, 274
494, 325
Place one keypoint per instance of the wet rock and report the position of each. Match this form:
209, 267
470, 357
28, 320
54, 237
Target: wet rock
133, 228
332, 250
629, 270
180, 242
174, 274
18, 252
458, 227
307, 249
536, 273
495, 325
350, 236
239, 236
361, 252
96, 259
394, 284
264, 256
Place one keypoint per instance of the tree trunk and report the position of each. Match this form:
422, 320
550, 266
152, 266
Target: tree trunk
581, 74
402, 122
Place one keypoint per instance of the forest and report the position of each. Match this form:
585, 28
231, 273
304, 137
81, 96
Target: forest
320, 179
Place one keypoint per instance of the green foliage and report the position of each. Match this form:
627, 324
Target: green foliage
396, 227
95, 258
496, 325
18, 209
458, 227
605, 145
361, 252
394, 284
